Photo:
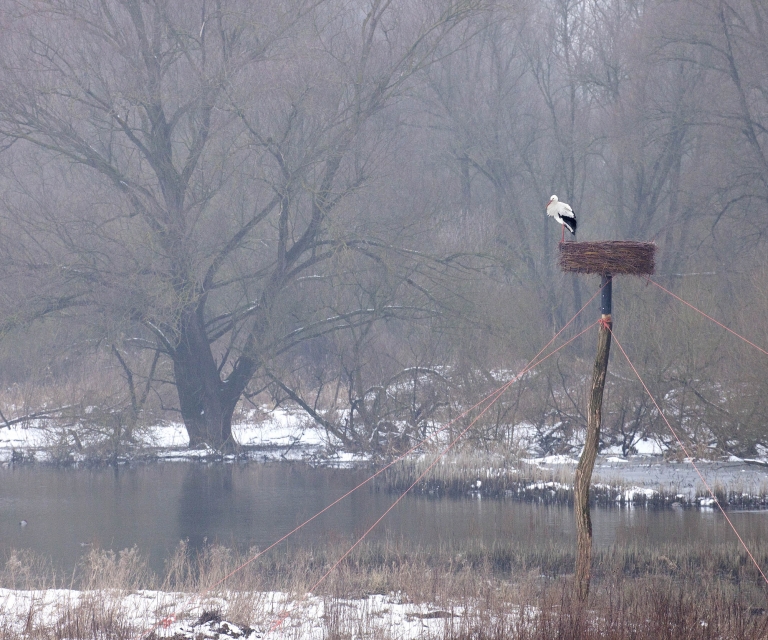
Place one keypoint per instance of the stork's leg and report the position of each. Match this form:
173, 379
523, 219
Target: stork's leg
563, 238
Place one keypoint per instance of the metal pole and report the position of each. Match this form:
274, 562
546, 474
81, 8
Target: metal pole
606, 282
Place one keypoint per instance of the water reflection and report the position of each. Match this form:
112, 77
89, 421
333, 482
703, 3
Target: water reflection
207, 504
253, 505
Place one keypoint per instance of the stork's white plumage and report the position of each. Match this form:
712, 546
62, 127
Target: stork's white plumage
563, 214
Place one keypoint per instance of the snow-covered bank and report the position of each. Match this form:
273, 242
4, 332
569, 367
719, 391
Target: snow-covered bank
278, 434
647, 476
650, 477
273, 615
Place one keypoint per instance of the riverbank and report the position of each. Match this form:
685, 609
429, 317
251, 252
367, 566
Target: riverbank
383, 591
640, 480
516, 586
269, 435
649, 477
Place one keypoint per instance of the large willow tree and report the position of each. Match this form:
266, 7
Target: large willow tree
190, 169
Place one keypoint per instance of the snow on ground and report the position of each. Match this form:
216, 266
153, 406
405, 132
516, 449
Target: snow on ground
629, 494
649, 474
648, 447
552, 486
281, 428
643, 447
279, 434
551, 460
285, 434
22, 438
276, 615
645, 473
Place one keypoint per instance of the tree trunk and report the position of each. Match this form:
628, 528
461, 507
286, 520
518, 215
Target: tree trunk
206, 402
583, 476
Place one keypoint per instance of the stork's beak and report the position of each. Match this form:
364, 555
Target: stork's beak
548, 203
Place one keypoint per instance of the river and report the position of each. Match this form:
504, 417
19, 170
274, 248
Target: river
67, 511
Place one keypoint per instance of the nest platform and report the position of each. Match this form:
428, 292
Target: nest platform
614, 257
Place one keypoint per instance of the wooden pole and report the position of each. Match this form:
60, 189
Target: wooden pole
583, 476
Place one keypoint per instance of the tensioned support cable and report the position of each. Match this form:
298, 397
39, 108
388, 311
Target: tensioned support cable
285, 613
685, 451
492, 397
708, 317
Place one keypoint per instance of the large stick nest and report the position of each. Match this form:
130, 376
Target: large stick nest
615, 257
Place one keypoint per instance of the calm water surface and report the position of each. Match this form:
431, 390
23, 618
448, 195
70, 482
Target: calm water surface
155, 506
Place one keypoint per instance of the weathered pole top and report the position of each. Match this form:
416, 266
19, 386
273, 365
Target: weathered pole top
614, 257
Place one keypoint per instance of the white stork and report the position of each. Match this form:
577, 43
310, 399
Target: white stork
563, 214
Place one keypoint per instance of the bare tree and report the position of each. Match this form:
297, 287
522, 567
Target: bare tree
722, 44
343, 203
202, 162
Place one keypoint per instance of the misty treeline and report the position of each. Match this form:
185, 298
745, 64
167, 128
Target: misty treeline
208, 206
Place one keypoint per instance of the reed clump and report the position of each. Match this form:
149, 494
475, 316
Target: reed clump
503, 475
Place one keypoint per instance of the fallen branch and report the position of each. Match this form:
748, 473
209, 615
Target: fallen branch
38, 415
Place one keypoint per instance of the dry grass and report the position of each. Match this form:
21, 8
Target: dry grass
614, 257
505, 590
505, 474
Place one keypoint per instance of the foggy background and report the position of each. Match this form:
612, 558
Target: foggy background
211, 206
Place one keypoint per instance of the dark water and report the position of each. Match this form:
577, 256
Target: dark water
156, 506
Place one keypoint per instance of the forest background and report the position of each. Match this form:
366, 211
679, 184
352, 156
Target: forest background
212, 206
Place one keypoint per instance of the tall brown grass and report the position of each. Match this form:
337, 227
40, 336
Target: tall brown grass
509, 474
480, 591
